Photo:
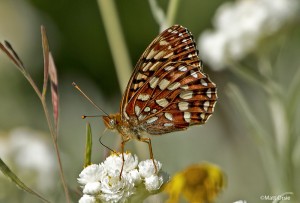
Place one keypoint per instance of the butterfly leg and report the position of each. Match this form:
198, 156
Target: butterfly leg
123, 159
148, 141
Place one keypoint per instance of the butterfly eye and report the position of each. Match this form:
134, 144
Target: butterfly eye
112, 122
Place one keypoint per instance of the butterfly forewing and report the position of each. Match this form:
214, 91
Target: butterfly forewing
172, 45
168, 90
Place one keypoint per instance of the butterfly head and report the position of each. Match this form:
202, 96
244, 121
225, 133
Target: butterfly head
111, 120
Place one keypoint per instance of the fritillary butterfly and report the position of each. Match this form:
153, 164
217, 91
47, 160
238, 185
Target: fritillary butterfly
167, 91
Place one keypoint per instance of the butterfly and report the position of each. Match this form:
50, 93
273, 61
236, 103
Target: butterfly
167, 92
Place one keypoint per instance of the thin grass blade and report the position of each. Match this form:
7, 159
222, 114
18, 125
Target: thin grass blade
54, 90
88, 146
8, 173
241, 104
45, 45
11, 53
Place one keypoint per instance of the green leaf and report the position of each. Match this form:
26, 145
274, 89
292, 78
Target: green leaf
8, 173
88, 145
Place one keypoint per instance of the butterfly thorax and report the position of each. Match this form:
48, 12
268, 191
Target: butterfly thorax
128, 129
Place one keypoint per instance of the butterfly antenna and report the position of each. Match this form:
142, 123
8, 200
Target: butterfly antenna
83, 94
89, 116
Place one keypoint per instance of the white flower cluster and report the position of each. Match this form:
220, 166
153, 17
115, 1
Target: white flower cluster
31, 153
241, 25
101, 182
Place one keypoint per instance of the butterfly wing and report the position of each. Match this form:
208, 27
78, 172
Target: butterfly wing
168, 91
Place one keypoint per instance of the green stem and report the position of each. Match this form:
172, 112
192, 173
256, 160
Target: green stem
293, 95
52, 132
55, 143
33, 85
246, 74
284, 147
116, 41
281, 129
260, 135
118, 48
172, 11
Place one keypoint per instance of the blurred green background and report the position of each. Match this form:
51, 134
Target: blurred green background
81, 52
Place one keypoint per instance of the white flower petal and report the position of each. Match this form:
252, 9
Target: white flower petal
104, 184
146, 168
92, 173
135, 176
131, 162
116, 190
212, 46
113, 163
113, 184
240, 27
30, 150
87, 199
153, 182
92, 188
111, 197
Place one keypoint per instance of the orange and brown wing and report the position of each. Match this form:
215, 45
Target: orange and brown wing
168, 90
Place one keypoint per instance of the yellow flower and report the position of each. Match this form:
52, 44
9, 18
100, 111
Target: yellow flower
199, 183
